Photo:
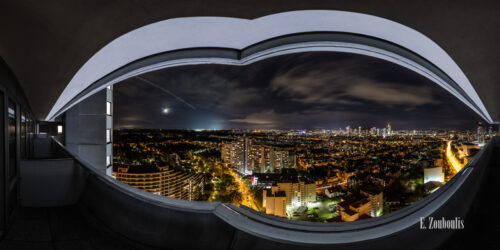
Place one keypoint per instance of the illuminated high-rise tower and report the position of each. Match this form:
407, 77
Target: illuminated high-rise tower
480, 134
389, 131
479, 128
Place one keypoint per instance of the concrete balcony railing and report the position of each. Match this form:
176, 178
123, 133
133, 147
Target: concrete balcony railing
163, 222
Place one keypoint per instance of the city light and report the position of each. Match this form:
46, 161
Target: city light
451, 158
320, 175
246, 196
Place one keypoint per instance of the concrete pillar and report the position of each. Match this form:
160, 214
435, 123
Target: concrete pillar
109, 131
86, 130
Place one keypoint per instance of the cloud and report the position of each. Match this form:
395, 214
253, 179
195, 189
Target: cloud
385, 93
346, 87
207, 88
267, 117
239, 101
326, 90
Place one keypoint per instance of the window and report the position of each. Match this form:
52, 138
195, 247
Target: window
59, 129
108, 108
108, 135
12, 139
23, 135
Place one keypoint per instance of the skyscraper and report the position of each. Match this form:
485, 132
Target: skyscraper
480, 134
479, 128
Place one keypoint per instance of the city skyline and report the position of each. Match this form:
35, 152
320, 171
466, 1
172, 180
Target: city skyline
299, 91
312, 176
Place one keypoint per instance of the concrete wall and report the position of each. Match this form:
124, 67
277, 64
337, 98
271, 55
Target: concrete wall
109, 132
86, 130
50, 182
42, 148
10, 91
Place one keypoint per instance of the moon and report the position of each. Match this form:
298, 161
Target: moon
166, 111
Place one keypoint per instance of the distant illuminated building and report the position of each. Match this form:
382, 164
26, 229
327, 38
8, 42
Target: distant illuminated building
364, 205
275, 203
480, 140
163, 181
353, 208
389, 130
480, 128
298, 193
254, 180
235, 153
467, 148
249, 157
433, 174
376, 200
480, 134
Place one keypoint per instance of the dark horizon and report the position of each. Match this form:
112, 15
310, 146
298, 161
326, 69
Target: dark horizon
315, 90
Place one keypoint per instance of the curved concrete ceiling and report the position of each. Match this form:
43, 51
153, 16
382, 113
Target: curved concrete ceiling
45, 43
233, 33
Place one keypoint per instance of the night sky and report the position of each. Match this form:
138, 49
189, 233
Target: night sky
303, 91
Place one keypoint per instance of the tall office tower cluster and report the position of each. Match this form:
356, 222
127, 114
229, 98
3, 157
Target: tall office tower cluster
373, 131
297, 193
386, 131
163, 181
249, 157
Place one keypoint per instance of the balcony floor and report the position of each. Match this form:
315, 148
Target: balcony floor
57, 228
